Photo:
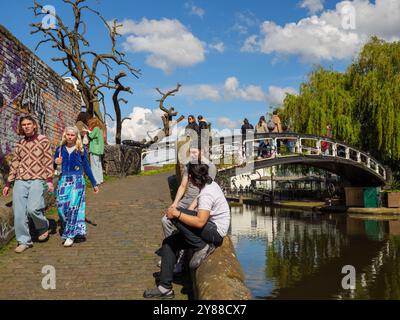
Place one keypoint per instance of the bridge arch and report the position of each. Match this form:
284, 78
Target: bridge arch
352, 164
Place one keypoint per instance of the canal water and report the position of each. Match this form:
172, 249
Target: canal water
295, 254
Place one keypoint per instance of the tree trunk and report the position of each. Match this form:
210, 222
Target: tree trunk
117, 118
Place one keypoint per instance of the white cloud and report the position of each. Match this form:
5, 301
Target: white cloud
244, 21
194, 10
201, 92
313, 6
219, 46
225, 122
276, 95
328, 36
169, 43
142, 121
232, 90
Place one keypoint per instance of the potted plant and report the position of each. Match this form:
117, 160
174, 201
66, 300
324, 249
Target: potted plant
393, 194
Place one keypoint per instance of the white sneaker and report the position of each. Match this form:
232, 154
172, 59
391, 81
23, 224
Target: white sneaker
69, 242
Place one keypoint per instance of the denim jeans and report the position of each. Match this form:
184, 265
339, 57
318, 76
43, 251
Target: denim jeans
260, 147
97, 168
28, 202
186, 237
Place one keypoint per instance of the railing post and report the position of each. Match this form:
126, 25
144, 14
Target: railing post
334, 149
299, 146
358, 157
275, 145
347, 153
369, 162
319, 146
223, 152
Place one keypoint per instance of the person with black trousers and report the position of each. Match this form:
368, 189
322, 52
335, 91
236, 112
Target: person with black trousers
246, 126
204, 134
201, 230
192, 128
248, 129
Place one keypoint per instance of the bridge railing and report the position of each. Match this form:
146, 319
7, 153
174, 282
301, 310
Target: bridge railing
159, 154
237, 149
310, 145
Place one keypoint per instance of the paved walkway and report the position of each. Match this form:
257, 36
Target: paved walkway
117, 260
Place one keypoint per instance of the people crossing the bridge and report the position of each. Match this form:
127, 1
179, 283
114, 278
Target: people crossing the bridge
325, 144
261, 127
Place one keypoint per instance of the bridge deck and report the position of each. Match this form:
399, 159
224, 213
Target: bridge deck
117, 260
356, 173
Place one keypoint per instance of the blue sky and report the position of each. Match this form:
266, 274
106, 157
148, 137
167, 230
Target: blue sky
234, 58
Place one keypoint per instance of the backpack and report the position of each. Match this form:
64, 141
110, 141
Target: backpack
271, 125
266, 151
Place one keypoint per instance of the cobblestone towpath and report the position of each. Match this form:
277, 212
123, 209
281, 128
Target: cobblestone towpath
117, 260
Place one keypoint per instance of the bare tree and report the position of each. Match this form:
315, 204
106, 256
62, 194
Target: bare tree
169, 113
118, 89
82, 63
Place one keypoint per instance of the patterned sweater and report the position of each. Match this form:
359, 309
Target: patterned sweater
32, 159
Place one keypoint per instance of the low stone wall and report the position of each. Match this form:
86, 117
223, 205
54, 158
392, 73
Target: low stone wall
121, 160
220, 276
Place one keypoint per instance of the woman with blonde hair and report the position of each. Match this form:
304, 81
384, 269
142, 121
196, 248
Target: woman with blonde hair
71, 204
96, 147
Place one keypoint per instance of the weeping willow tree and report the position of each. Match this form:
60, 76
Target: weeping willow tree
324, 99
375, 82
362, 105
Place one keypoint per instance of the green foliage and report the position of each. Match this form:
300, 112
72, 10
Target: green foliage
362, 105
163, 169
394, 185
323, 100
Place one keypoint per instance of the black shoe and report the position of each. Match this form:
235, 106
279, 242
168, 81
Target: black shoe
156, 293
200, 255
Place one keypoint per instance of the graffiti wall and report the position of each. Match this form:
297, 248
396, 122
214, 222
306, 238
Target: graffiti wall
28, 85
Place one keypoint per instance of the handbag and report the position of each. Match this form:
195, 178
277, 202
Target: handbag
58, 170
85, 139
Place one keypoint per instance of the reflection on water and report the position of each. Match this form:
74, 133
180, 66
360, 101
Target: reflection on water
294, 254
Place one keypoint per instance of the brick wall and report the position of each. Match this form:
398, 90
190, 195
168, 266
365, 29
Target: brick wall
28, 85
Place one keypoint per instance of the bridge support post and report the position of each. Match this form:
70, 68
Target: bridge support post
319, 146
334, 149
298, 146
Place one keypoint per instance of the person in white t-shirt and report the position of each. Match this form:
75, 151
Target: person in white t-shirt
202, 229
185, 195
